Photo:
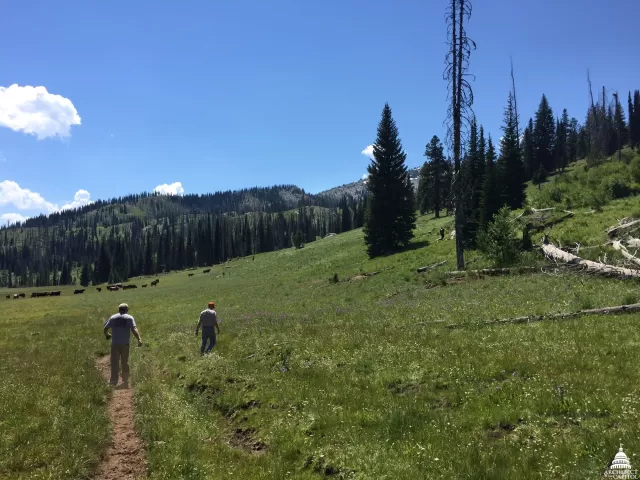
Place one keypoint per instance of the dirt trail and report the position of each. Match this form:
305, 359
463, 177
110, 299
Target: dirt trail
126, 458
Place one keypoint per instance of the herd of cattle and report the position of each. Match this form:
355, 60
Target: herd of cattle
112, 288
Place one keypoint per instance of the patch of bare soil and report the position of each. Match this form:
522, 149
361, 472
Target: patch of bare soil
243, 438
126, 457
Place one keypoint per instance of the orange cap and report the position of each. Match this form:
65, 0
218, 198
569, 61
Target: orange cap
211, 304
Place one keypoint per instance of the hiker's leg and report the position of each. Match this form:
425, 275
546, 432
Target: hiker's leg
212, 341
124, 353
115, 364
204, 340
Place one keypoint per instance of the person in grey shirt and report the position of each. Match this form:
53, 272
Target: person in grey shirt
208, 321
122, 325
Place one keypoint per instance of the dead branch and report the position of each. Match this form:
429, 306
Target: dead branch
633, 242
431, 267
613, 231
554, 253
492, 271
623, 250
554, 316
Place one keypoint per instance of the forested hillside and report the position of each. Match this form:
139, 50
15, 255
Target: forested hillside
149, 233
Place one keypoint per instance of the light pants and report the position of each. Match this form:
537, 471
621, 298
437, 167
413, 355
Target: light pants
119, 356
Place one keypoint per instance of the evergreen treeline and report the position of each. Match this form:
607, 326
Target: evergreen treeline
547, 145
102, 247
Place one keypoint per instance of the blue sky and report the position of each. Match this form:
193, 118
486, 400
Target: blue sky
225, 95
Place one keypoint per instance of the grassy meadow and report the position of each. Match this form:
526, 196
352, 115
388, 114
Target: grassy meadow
359, 378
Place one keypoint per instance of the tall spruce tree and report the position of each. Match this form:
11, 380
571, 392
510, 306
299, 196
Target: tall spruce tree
84, 276
148, 257
544, 136
632, 123
528, 156
562, 147
572, 139
433, 186
473, 177
621, 129
390, 218
491, 199
636, 119
510, 167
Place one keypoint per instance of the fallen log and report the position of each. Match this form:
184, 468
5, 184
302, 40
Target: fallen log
553, 252
623, 250
493, 271
633, 242
431, 267
633, 308
613, 231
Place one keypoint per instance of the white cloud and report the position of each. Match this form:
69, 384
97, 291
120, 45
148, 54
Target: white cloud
173, 189
80, 199
10, 218
365, 176
22, 198
368, 152
35, 111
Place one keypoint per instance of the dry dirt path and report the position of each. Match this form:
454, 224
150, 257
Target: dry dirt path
126, 458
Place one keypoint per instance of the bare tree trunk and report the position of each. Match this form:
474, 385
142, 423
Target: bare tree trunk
515, 102
599, 268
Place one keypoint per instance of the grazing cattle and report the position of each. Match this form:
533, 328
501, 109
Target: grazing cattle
191, 274
34, 295
56, 294
8, 296
16, 296
113, 288
155, 282
99, 289
206, 271
21, 295
76, 292
144, 286
127, 287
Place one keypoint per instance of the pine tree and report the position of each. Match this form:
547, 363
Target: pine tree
562, 147
473, 178
84, 276
65, 276
390, 218
528, 155
636, 118
633, 139
432, 188
543, 136
620, 123
148, 257
102, 268
491, 199
510, 167
572, 140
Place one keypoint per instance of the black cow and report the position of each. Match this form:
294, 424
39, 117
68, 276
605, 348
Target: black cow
16, 296
206, 271
191, 274
155, 282
99, 289
21, 295
127, 287
56, 294
76, 292
34, 295
8, 296
113, 288
144, 286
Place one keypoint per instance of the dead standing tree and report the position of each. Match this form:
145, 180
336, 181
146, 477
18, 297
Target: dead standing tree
456, 74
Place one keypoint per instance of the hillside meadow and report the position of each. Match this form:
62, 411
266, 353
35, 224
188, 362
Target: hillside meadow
356, 378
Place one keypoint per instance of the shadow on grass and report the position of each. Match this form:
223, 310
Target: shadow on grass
412, 246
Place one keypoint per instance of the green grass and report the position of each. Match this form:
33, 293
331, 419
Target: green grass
356, 379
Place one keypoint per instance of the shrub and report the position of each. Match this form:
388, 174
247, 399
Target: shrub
635, 168
499, 242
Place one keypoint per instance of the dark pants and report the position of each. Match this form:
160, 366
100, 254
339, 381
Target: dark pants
208, 334
119, 356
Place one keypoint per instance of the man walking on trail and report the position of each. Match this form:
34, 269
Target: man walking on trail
208, 321
121, 325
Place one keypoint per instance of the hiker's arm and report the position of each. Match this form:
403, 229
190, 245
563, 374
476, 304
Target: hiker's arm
198, 325
216, 324
136, 334
107, 326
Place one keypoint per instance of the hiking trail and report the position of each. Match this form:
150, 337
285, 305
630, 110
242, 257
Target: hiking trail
125, 458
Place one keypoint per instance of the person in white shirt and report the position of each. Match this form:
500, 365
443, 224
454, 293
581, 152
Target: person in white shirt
208, 321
